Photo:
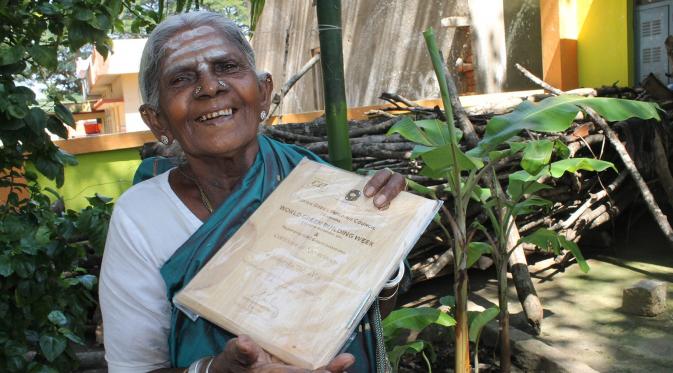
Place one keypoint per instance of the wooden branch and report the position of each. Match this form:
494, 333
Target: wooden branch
659, 216
538, 81
661, 165
277, 99
289, 135
464, 122
382, 127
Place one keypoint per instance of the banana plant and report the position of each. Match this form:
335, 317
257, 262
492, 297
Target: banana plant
471, 176
414, 320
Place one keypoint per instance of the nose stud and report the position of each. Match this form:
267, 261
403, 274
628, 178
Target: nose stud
197, 91
222, 83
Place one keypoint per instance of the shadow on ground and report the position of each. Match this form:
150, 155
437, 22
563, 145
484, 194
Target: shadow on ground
583, 317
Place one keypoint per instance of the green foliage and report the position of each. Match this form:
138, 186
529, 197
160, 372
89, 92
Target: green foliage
549, 240
412, 319
556, 114
479, 320
471, 176
46, 294
414, 347
31, 40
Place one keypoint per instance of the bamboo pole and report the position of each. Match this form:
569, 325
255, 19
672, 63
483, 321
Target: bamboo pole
329, 31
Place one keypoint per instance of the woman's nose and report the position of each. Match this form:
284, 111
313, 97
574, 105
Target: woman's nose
210, 86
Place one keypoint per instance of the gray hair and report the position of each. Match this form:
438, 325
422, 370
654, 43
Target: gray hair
155, 48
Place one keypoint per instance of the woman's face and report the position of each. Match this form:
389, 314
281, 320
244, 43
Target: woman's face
210, 98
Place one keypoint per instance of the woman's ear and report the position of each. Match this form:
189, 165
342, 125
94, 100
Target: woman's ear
151, 119
266, 90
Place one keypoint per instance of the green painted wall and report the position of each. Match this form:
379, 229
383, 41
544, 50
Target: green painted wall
605, 42
107, 173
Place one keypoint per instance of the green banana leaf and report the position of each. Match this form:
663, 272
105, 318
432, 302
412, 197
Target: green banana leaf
475, 250
549, 240
415, 347
415, 319
556, 114
479, 321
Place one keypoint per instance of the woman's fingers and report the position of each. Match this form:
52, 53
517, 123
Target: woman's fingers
340, 363
240, 353
384, 186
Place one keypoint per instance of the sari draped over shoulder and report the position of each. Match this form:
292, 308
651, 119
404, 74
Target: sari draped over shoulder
191, 340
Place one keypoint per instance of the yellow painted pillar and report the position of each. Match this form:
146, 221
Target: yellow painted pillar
559, 43
605, 53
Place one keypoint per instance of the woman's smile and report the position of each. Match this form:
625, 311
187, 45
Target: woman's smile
212, 96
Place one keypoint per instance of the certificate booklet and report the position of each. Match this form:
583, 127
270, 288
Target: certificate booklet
299, 275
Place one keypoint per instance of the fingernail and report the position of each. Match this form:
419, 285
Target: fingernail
369, 191
380, 200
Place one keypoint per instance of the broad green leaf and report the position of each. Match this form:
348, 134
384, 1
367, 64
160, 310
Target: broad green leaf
83, 14
480, 194
448, 300
66, 158
415, 319
10, 55
36, 120
397, 352
87, 280
440, 159
475, 250
556, 114
42, 235
71, 336
421, 189
427, 132
558, 168
23, 267
64, 114
44, 56
438, 131
561, 150
479, 322
52, 346
101, 22
410, 131
418, 150
18, 111
35, 367
531, 204
55, 126
514, 147
549, 240
6, 268
521, 182
536, 155
57, 318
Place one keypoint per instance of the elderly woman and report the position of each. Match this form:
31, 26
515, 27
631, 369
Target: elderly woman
201, 90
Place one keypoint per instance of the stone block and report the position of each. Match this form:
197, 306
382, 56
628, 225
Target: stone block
646, 298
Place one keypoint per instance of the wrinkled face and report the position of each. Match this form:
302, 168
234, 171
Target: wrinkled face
210, 98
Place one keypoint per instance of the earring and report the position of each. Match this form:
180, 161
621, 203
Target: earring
262, 115
197, 91
222, 83
164, 139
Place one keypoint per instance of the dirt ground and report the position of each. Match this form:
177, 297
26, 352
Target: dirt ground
583, 316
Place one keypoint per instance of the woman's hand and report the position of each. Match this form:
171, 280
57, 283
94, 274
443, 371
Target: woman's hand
384, 186
243, 355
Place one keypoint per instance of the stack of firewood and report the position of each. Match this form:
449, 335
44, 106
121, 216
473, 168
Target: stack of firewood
582, 201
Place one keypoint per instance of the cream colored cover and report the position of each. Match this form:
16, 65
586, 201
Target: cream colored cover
305, 267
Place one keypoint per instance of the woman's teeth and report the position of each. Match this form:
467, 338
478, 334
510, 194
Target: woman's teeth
215, 114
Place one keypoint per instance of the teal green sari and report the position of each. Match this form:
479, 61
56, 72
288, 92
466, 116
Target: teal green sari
191, 340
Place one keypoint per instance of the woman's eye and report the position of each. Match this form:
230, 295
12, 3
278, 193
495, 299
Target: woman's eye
227, 67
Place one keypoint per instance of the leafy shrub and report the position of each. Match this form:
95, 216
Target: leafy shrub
46, 295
